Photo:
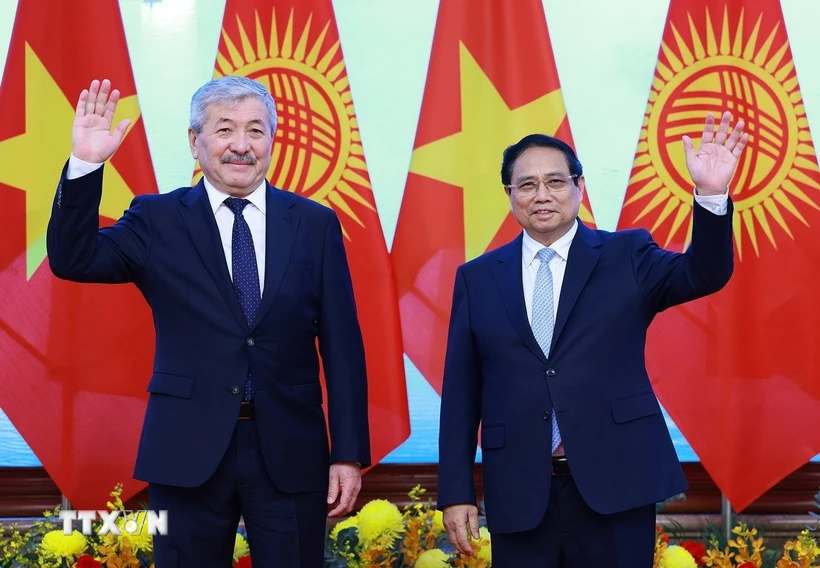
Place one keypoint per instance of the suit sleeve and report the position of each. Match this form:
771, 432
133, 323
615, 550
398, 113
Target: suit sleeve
342, 350
460, 405
669, 278
79, 250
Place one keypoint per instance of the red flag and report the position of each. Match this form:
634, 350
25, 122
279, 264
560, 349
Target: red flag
737, 371
487, 87
292, 47
75, 358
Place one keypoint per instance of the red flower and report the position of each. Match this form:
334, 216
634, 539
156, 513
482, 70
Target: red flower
661, 533
696, 549
747, 565
87, 561
244, 562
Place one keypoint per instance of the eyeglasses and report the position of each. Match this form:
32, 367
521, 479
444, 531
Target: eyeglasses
554, 184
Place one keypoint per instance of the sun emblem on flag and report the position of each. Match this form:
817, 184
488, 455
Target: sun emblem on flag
317, 149
727, 69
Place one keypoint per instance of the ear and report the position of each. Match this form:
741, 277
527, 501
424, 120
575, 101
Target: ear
192, 143
582, 185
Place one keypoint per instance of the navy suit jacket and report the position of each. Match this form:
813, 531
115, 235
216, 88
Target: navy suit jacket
169, 246
613, 431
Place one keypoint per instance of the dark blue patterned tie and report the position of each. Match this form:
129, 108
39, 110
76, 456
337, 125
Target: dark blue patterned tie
245, 271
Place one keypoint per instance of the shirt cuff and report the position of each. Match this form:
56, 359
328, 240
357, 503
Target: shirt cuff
717, 204
79, 168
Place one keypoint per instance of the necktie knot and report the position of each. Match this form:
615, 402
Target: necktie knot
546, 254
236, 205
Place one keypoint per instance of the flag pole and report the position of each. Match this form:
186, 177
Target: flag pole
727, 517
64, 504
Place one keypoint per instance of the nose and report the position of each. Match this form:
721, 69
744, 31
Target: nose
543, 193
240, 143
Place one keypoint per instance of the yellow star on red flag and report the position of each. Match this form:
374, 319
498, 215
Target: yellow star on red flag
69, 349
470, 158
484, 92
40, 152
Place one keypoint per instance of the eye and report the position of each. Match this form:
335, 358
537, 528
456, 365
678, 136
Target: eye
527, 186
556, 183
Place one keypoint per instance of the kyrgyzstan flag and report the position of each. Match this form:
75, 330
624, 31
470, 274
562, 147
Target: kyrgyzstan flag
491, 81
738, 371
292, 47
75, 359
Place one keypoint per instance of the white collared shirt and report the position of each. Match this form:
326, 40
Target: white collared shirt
558, 265
254, 214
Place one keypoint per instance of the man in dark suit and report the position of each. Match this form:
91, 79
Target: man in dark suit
242, 279
546, 351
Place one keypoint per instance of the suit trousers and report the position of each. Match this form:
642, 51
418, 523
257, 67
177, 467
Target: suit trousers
572, 535
284, 530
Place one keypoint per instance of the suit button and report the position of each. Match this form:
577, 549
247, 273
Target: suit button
250, 342
234, 389
550, 372
546, 416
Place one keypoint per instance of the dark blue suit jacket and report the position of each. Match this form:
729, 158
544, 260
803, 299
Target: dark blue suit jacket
169, 246
613, 431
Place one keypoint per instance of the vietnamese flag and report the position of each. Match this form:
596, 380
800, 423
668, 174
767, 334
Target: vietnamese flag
737, 371
491, 81
75, 358
292, 47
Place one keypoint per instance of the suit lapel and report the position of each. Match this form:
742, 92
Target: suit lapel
583, 256
200, 222
281, 222
508, 278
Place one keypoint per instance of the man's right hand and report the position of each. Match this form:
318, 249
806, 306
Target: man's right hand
91, 138
457, 519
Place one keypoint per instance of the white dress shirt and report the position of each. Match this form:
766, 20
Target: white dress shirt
558, 265
716, 204
254, 214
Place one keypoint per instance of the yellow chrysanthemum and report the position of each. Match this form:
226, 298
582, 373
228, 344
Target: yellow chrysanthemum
438, 522
57, 544
677, 557
380, 521
134, 527
433, 558
240, 547
484, 539
342, 525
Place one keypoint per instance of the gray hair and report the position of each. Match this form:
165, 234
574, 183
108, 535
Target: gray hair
226, 90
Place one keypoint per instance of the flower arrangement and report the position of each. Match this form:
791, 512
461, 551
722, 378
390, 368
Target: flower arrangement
745, 550
379, 535
684, 554
382, 535
45, 545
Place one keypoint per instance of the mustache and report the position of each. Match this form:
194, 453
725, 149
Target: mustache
238, 159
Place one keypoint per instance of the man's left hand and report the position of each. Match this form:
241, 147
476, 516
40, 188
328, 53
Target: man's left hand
344, 487
714, 163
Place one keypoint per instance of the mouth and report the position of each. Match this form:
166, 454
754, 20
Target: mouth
543, 214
